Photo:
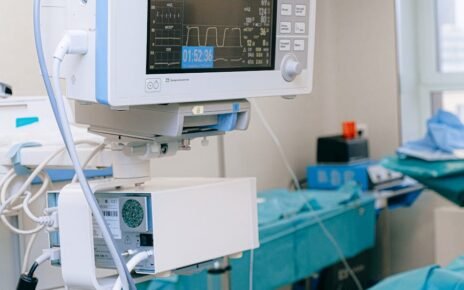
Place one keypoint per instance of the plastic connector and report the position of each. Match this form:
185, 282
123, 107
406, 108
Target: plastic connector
52, 254
27, 283
51, 221
74, 42
129, 253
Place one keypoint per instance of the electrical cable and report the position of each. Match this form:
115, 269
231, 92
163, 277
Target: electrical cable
251, 269
133, 262
6, 176
27, 281
292, 173
66, 133
27, 183
90, 158
46, 181
14, 209
4, 212
29, 198
27, 253
38, 171
28, 211
127, 280
33, 269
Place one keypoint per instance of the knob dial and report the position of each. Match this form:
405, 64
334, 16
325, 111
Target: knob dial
291, 67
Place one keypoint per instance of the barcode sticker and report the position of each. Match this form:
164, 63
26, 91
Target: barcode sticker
107, 213
110, 211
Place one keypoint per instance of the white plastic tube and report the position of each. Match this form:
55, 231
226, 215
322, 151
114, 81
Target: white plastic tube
27, 253
92, 155
124, 273
292, 173
127, 281
133, 262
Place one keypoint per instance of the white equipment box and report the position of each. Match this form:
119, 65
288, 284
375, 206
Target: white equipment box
184, 221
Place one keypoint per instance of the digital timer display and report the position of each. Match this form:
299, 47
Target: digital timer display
194, 57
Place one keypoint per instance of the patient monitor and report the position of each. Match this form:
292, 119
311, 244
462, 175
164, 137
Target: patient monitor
171, 51
155, 75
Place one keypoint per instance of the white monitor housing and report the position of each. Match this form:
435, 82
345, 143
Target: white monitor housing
146, 52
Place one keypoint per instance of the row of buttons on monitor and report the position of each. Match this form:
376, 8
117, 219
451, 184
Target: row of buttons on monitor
286, 27
298, 45
287, 10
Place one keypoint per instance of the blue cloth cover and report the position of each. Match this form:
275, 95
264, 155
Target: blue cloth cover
444, 177
428, 278
445, 132
420, 169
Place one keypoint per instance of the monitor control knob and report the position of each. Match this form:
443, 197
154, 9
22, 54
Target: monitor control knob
291, 67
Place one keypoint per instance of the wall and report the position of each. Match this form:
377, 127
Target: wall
355, 79
18, 61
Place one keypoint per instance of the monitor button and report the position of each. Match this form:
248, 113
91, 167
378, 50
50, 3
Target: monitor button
284, 45
285, 27
286, 9
299, 45
300, 27
300, 10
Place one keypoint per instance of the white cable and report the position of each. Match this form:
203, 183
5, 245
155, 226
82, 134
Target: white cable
321, 224
6, 176
92, 155
12, 209
47, 220
27, 183
251, 269
129, 253
44, 257
58, 110
27, 253
6, 180
276, 141
3, 194
38, 171
46, 181
133, 262
33, 175
5, 220
127, 280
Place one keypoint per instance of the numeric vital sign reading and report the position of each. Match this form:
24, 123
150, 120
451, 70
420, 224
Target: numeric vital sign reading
210, 35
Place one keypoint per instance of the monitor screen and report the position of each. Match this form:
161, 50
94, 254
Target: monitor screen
210, 35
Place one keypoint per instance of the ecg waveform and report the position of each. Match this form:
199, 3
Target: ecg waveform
215, 30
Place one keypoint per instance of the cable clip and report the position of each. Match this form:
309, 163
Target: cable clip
15, 156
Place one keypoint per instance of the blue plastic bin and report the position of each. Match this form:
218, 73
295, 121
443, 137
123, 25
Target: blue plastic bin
334, 176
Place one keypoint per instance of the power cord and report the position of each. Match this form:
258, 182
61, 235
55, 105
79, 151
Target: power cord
296, 183
75, 42
133, 262
7, 204
27, 281
252, 267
